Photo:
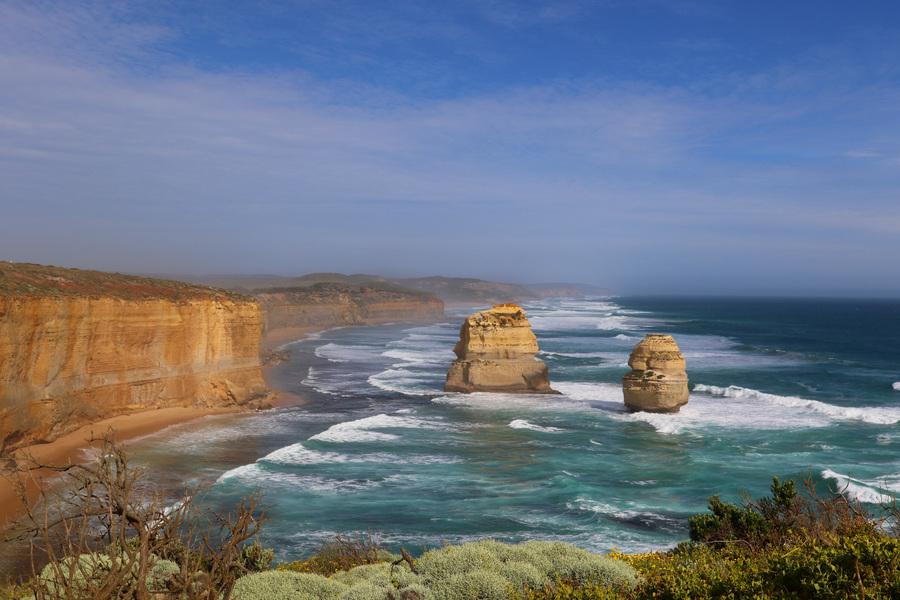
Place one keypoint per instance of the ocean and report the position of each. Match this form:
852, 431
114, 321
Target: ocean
801, 389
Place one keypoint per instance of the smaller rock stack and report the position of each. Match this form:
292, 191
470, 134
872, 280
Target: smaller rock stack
658, 381
495, 353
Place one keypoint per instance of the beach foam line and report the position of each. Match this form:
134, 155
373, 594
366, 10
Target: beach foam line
365, 429
403, 381
861, 490
340, 353
523, 424
577, 354
867, 414
255, 474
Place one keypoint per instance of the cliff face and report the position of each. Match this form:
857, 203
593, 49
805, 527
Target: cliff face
495, 353
79, 346
658, 381
289, 313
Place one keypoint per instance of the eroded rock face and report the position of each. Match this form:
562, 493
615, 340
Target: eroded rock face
658, 381
80, 346
495, 353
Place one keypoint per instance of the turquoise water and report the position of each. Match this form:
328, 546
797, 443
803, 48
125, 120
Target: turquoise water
793, 388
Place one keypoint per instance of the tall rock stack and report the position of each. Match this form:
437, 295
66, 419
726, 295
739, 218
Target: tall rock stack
658, 381
495, 353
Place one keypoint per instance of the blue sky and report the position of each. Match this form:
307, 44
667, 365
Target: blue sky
647, 146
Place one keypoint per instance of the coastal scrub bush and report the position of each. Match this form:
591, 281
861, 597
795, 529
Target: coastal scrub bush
82, 575
384, 575
531, 565
483, 584
364, 591
255, 558
282, 585
578, 566
441, 564
162, 575
341, 554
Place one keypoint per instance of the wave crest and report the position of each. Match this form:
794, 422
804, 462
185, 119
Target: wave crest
523, 424
867, 414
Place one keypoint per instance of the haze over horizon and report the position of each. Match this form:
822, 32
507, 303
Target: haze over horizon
648, 147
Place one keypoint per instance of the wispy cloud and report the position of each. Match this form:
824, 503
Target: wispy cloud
107, 128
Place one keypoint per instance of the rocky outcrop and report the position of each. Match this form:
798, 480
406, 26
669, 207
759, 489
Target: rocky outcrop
80, 346
658, 381
495, 353
292, 312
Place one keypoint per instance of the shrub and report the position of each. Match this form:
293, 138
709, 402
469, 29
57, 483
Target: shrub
575, 565
82, 574
280, 585
481, 583
161, 574
522, 575
416, 591
441, 564
255, 558
383, 575
341, 554
365, 591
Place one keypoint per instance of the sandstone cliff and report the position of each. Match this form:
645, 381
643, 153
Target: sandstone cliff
291, 312
78, 346
495, 353
658, 381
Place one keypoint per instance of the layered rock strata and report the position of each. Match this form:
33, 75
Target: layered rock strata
658, 381
496, 353
81, 346
292, 312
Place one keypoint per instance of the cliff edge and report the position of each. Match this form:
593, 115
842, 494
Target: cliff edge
292, 312
495, 353
78, 346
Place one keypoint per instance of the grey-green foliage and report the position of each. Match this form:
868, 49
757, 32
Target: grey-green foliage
447, 571
365, 591
285, 585
161, 573
480, 583
579, 566
79, 574
383, 575
416, 591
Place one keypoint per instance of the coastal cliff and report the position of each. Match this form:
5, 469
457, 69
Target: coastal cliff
79, 346
292, 312
496, 353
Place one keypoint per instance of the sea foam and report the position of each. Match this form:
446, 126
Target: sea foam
896, 386
364, 430
523, 424
870, 492
871, 414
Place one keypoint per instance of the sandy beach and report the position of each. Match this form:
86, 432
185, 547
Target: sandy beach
66, 449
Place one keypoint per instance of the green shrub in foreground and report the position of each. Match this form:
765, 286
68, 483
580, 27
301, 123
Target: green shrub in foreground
480, 583
80, 574
284, 585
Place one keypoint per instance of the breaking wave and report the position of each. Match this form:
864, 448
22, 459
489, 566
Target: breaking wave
365, 429
896, 386
523, 424
871, 414
861, 490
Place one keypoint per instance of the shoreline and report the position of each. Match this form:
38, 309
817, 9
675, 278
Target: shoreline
69, 448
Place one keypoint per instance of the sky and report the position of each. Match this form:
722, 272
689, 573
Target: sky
647, 146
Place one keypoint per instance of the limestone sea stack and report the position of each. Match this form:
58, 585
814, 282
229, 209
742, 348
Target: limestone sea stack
495, 353
658, 381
